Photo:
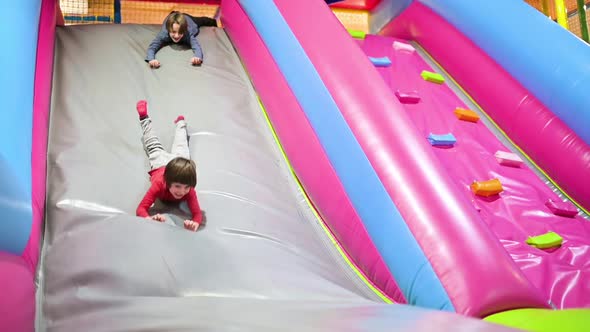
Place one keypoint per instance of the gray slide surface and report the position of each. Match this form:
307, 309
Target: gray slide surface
262, 262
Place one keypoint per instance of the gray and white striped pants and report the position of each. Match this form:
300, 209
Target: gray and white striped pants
153, 147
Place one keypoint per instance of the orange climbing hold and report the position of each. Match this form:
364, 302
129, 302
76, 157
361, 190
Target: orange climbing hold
466, 115
487, 188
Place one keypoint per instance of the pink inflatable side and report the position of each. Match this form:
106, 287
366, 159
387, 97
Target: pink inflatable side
305, 153
17, 273
399, 154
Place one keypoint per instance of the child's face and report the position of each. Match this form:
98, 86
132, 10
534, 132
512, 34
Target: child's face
175, 33
179, 190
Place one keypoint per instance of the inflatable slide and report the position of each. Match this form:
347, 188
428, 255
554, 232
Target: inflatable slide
329, 204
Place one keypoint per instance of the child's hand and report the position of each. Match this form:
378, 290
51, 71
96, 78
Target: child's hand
154, 63
196, 61
191, 225
158, 217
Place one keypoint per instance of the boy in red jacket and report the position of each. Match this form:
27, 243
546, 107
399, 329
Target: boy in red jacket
173, 175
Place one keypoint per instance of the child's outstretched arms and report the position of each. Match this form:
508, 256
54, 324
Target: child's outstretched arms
198, 52
158, 217
193, 205
148, 199
154, 47
154, 63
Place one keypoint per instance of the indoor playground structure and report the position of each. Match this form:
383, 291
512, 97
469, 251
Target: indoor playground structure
423, 168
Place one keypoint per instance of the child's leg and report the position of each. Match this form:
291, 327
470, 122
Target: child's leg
203, 21
151, 143
180, 142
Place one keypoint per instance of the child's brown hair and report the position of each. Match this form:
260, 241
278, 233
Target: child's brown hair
178, 18
181, 170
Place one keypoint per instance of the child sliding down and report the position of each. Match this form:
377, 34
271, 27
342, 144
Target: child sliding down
179, 28
173, 175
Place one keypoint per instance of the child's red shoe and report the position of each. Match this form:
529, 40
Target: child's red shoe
142, 109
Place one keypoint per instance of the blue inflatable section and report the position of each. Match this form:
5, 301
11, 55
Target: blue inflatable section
390, 234
19, 21
549, 61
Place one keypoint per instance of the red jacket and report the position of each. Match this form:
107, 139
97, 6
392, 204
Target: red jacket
159, 190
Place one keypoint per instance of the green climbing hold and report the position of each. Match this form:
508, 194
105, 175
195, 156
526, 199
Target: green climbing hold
544, 241
432, 77
357, 34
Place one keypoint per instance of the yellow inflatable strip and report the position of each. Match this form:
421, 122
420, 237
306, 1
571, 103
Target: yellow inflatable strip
335, 242
319, 219
544, 320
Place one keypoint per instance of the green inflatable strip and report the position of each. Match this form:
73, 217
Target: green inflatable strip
544, 320
357, 34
